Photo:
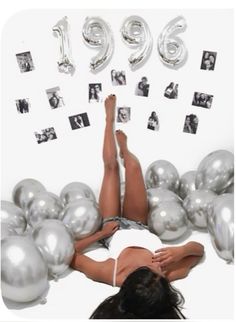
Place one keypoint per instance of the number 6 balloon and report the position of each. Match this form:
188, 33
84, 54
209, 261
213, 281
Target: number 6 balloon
65, 63
136, 33
97, 33
172, 49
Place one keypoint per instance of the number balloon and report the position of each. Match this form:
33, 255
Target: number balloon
171, 49
65, 63
97, 33
136, 33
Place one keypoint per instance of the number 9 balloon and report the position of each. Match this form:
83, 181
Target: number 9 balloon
136, 33
97, 33
172, 49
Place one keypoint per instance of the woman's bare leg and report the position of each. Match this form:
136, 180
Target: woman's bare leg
109, 199
135, 206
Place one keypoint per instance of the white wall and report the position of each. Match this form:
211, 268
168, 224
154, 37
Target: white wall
76, 155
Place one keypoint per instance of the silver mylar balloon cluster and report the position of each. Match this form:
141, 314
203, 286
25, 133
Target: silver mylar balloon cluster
97, 33
12, 218
136, 33
171, 49
61, 30
75, 191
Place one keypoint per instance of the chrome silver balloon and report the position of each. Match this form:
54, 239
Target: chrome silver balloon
45, 205
97, 34
136, 34
23, 270
168, 221
216, 171
75, 191
187, 183
172, 50
25, 191
56, 244
196, 204
82, 217
220, 224
65, 63
13, 216
158, 195
162, 174
7, 231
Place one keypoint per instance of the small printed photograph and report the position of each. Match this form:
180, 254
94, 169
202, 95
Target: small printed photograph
46, 135
208, 60
202, 100
191, 124
123, 114
153, 122
23, 105
25, 62
118, 77
78, 121
171, 91
95, 93
54, 97
142, 88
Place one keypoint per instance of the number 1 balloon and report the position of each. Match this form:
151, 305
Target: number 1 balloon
65, 64
171, 49
136, 33
97, 33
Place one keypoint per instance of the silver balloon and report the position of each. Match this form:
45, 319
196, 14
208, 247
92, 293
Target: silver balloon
136, 33
7, 231
168, 221
13, 216
45, 205
187, 183
162, 174
216, 171
82, 218
25, 191
158, 195
171, 49
196, 204
97, 33
229, 189
56, 244
220, 223
23, 270
65, 63
75, 191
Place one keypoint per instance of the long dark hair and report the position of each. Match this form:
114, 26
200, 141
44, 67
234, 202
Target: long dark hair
143, 295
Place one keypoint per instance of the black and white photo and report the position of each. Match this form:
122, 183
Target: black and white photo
153, 122
23, 105
95, 93
142, 88
54, 98
191, 124
171, 91
25, 62
123, 114
46, 135
79, 121
118, 77
208, 60
202, 100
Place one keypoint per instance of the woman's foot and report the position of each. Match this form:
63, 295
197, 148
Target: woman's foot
122, 142
110, 104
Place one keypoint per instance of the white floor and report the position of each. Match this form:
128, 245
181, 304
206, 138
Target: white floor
208, 291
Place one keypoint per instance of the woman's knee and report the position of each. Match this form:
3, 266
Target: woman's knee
111, 165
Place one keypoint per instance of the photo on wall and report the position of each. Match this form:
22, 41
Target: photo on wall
171, 91
25, 62
202, 100
118, 77
123, 114
191, 124
208, 60
142, 88
95, 93
79, 121
153, 122
54, 97
23, 105
46, 135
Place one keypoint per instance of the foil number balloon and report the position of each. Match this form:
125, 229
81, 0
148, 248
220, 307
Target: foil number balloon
136, 33
97, 33
171, 49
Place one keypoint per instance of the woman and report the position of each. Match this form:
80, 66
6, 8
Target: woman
130, 243
153, 123
93, 95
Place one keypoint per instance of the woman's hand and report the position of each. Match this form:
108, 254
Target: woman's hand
168, 255
109, 228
